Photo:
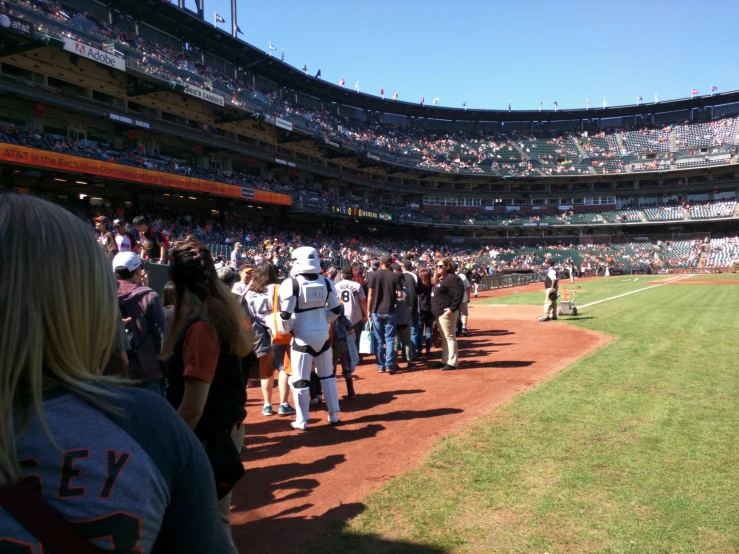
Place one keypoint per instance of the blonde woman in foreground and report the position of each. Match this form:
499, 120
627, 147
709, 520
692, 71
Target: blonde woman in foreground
99, 466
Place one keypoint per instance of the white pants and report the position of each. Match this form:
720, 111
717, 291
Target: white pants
301, 363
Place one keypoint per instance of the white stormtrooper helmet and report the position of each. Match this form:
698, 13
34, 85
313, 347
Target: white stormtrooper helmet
305, 260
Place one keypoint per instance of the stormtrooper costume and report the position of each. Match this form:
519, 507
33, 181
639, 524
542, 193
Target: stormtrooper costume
310, 300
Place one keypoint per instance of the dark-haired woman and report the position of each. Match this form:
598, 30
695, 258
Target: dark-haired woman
259, 304
446, 296
204, 351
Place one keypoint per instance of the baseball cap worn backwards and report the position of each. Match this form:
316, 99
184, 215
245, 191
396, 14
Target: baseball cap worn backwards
129, 260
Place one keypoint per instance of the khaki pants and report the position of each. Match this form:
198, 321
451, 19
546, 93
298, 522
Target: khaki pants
550, 306
224, 504
448, 327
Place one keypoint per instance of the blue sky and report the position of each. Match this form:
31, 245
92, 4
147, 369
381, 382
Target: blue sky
493, 52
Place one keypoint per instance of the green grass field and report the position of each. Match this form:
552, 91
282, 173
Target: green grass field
634, 448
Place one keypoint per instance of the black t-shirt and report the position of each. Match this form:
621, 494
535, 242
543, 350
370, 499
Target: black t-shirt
384, 285
411, 288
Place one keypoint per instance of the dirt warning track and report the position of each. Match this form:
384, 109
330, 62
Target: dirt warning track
297, 484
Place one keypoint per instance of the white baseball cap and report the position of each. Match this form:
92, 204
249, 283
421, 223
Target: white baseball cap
129, 260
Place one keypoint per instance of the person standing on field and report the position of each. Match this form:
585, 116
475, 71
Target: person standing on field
106, 239
551, 284
354, 300
446, 296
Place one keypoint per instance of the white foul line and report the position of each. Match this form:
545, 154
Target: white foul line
635, 291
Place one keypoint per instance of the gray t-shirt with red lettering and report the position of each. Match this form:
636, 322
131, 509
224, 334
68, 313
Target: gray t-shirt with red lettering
135, 482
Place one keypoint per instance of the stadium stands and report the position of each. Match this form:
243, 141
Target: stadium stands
457, 152
645, 140
622, 216
704, 162
665, 213
10, 134
680, 253
722, 252
713, 133
602, 145
713, 209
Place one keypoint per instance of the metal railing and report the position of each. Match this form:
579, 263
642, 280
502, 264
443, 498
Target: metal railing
512, 280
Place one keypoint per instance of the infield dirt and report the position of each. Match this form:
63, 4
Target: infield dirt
297, 484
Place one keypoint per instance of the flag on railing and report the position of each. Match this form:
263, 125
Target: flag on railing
318, 74
382, 93
556, 105
436, 101
238, 30
271, 48
693, 92
540, 104
423, 99
395, 96
587, 103
713, 89
282, 56
638, 99
464, 104
219, 19
305, 68
342, 82
356, 86
509, 106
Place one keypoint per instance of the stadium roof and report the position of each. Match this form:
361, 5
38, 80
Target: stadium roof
186, 24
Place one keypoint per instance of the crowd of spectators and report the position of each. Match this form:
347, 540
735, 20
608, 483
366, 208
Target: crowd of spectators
134, 156
721, 132
680, 253
512, 153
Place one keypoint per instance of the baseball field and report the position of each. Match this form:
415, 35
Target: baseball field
613, 431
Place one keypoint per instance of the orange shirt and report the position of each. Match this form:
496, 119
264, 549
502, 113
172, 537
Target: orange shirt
200, 352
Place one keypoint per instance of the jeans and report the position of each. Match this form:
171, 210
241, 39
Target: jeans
415, 334
358, 328
383, 326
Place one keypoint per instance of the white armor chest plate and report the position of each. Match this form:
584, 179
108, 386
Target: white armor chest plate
311, 326
312, 294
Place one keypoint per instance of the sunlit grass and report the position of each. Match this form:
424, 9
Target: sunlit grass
634, 448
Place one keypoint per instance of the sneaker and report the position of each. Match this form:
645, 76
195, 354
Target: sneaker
465, 333
298, 427
441, 365
392, 371
543, 319
554, 318
315, 401
286, 409
267, 411
447, 367
333, 419
381, 370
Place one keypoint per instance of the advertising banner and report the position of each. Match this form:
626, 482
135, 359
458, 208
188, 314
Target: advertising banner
18, 26
64, 162
357, 212
283, 124
95, 55
203, 94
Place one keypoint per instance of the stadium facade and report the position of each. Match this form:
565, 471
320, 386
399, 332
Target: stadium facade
146, 103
